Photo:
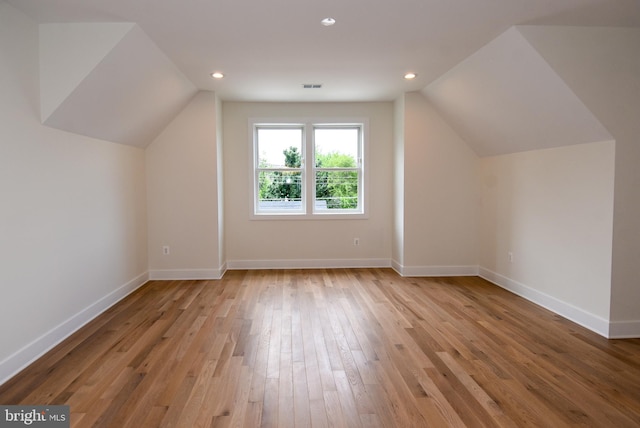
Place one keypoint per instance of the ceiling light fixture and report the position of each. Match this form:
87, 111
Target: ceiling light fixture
217, 75
328, 22
410, 76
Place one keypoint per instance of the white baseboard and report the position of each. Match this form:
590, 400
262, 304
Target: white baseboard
20, 359
624, 329
435, 270
165, 274
579, 316
307, 264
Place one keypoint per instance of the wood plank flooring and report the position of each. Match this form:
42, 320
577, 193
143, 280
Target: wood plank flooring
334, 348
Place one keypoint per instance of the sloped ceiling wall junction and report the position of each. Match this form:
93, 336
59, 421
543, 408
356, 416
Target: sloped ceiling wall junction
506, 98
108, 81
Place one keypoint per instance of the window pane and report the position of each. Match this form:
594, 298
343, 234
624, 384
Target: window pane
279, 148
280, 190
336, 190
336, 147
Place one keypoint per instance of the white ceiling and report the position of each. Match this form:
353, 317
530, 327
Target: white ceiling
268, 49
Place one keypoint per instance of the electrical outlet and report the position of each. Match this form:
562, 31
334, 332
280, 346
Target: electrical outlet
356, 241
166, 250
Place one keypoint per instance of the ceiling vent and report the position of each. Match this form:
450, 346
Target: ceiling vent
312, 85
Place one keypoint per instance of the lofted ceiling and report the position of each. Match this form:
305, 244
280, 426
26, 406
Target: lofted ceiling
269, 49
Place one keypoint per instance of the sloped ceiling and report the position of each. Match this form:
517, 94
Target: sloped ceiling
600, 64
68, 53
506, 98
108, 81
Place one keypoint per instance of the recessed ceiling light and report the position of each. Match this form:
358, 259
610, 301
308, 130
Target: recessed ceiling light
328, 22
410, 76
217, 75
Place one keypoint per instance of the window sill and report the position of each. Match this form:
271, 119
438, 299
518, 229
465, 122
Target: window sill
315, 216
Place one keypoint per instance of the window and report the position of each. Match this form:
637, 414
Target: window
308, 169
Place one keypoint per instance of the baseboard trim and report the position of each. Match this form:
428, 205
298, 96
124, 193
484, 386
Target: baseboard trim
435, 270
167, 274
624, 329
307, 264
579, 316
20, 359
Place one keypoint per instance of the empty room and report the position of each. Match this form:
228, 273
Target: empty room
410, 213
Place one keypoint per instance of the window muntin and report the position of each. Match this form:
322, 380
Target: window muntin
289, 184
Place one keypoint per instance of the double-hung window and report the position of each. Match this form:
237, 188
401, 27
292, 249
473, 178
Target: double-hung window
308, 169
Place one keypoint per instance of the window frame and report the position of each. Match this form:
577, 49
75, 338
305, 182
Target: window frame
308, 169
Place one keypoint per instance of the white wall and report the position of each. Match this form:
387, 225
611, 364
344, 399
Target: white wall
602, 66
183, 194
292, 243
72, 213
553, 210
222, 255
440, 195
398, 184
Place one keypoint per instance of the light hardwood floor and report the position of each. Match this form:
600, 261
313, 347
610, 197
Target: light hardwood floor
335, 347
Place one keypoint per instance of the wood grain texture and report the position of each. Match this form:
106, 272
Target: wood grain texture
334, 348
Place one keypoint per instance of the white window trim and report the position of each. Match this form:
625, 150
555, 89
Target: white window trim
308, 190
